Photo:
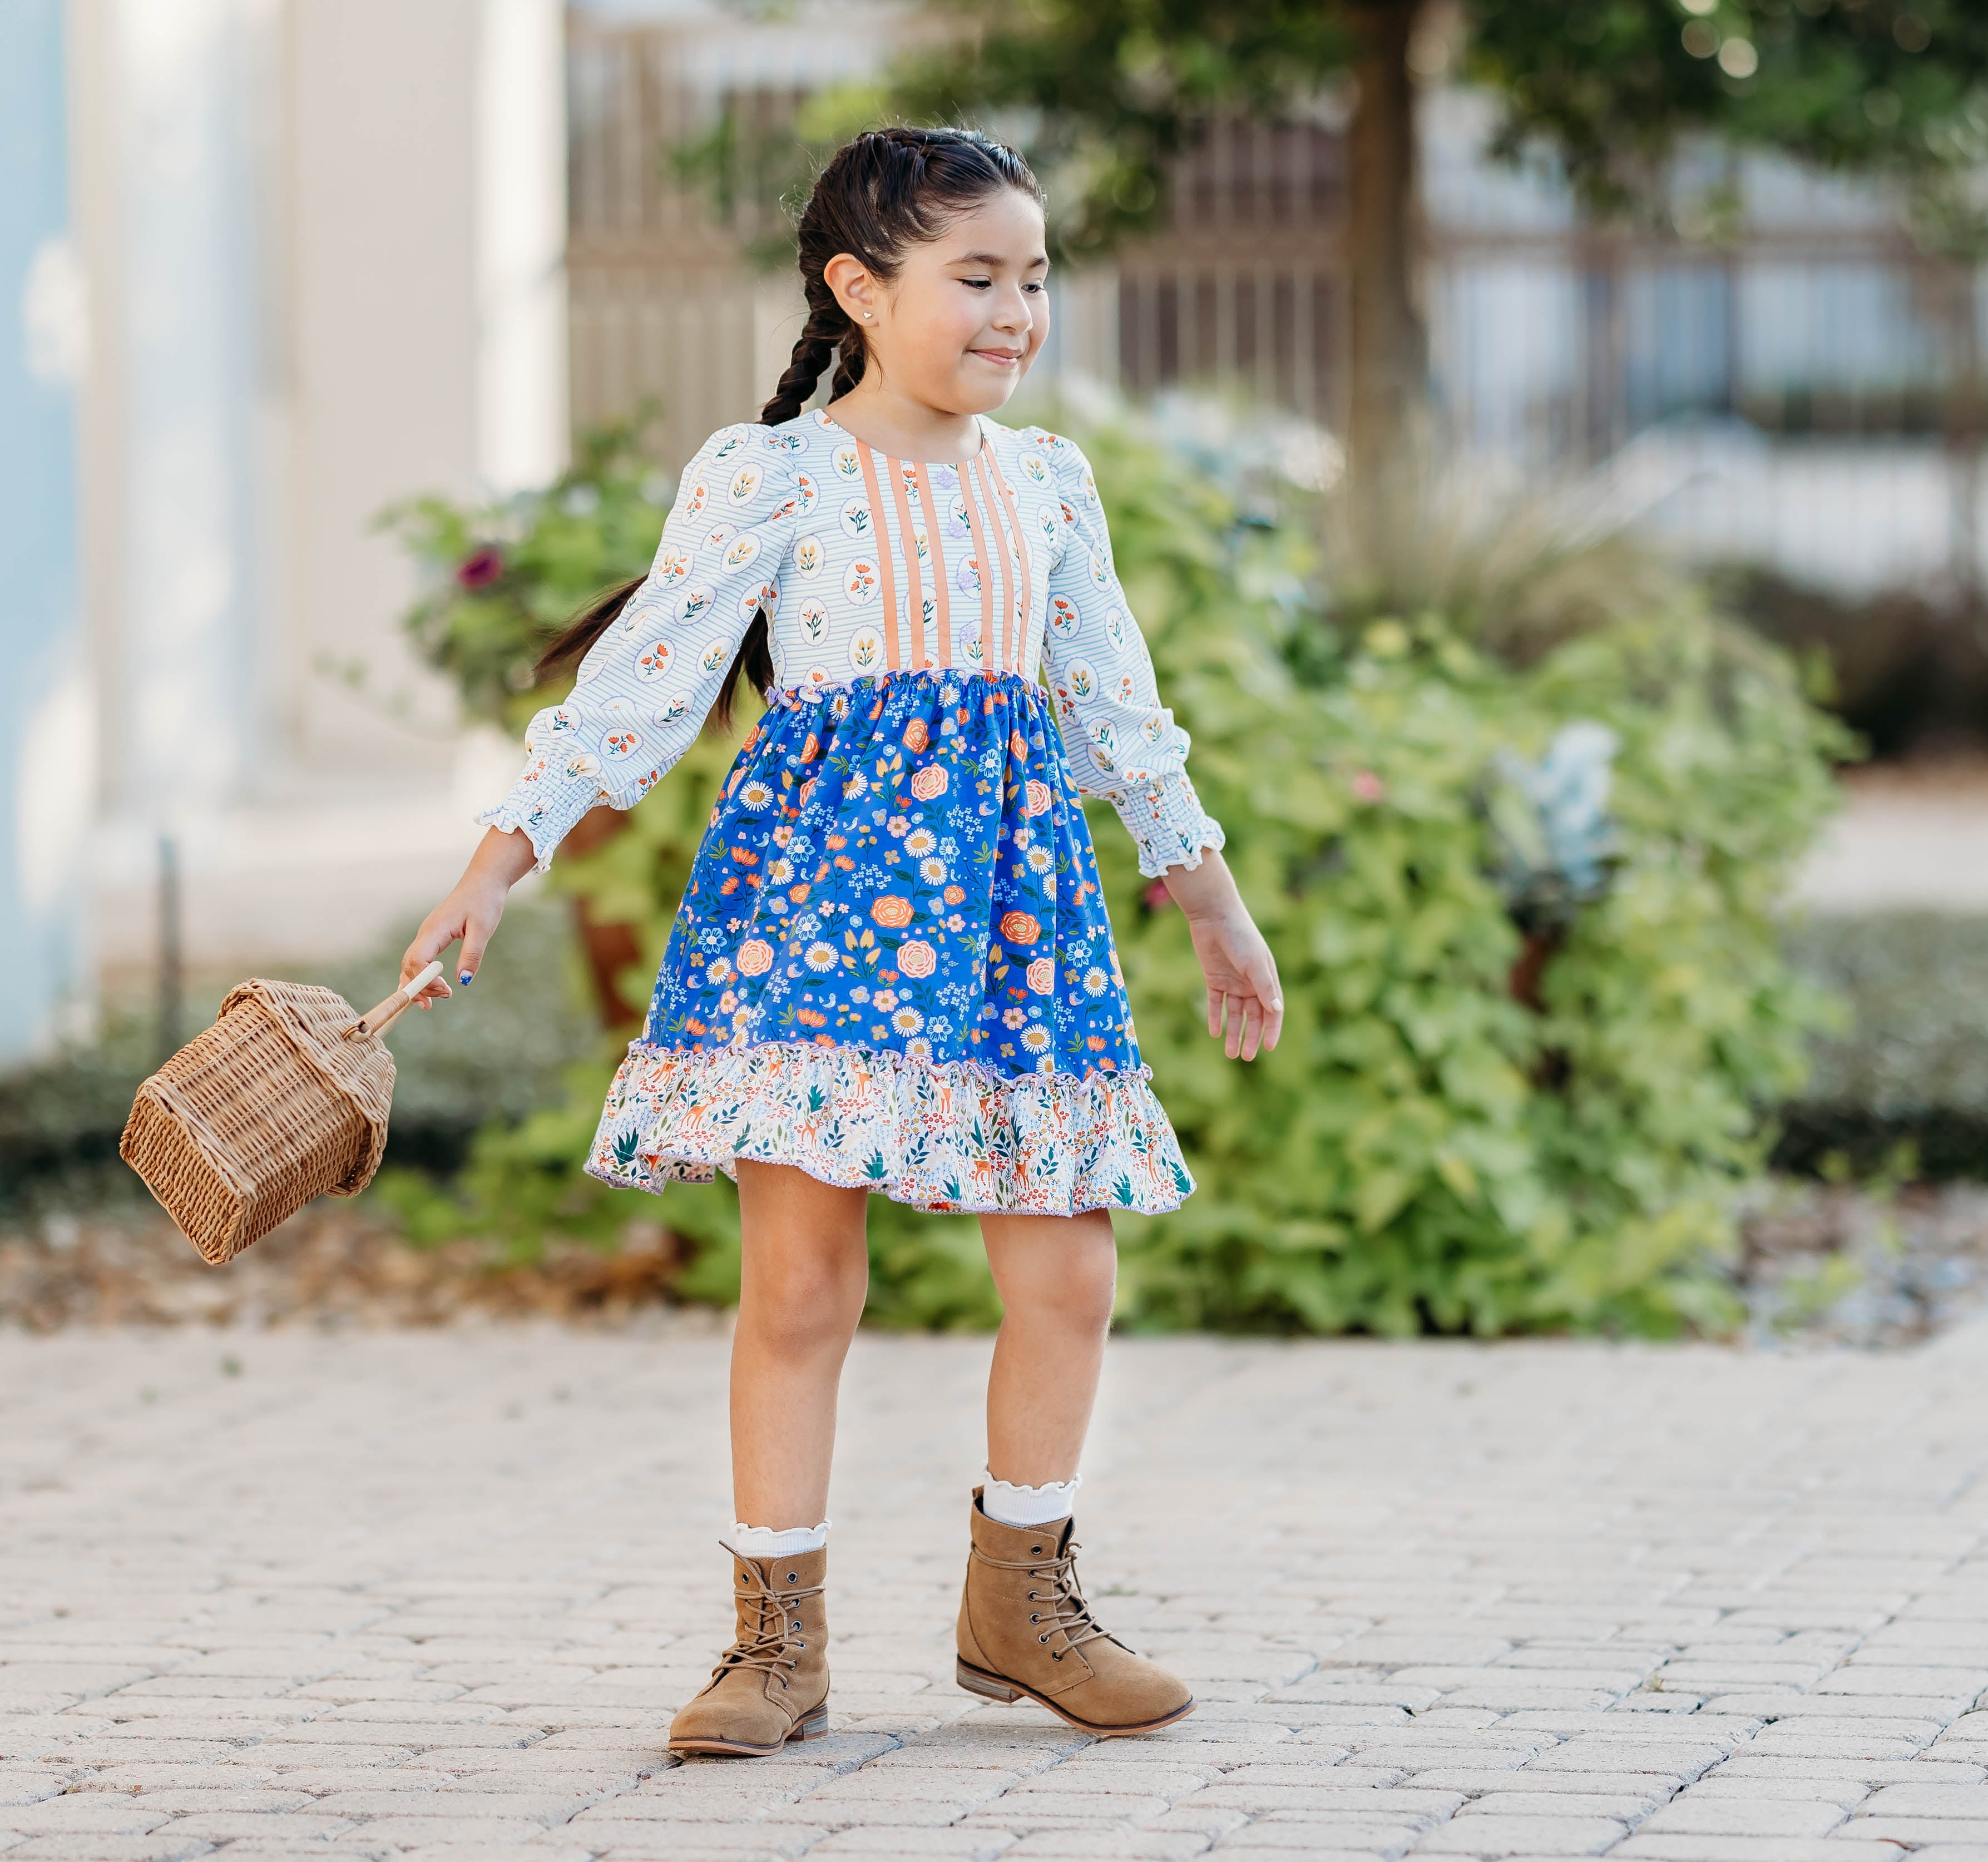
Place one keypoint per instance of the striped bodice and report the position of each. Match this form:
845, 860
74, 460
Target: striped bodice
889, 565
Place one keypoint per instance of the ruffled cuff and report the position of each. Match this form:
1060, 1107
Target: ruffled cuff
544, 815
1168, 821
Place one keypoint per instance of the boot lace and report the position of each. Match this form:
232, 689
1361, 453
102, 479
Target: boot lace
1067, 1609
773, 1629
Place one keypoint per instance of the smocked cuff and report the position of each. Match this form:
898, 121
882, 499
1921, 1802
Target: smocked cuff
544, 816
1168, 821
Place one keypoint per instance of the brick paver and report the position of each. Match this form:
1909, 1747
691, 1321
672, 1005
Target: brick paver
435, 1596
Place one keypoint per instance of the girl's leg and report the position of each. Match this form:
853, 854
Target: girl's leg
805, 1274
1056, 1275
1025, 1629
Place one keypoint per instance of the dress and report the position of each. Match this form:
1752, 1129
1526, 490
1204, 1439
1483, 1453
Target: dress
892, 966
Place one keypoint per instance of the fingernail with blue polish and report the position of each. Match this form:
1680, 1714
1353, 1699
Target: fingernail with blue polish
464, 978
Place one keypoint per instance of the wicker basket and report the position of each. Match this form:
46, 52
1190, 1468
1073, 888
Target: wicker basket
286, 1097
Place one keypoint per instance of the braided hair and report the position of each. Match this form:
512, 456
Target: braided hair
886, 190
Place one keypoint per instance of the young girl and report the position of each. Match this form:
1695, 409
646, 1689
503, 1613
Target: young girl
892, 971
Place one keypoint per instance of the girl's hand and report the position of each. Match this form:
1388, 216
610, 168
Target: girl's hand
1245, 1003
470, 912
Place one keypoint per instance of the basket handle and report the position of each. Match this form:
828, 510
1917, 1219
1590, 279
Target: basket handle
376, 1019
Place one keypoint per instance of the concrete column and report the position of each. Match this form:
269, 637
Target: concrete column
47, 760
187, 644
521, 294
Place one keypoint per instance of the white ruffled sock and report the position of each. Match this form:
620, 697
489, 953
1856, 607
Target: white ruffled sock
744, 1541
1012, 1505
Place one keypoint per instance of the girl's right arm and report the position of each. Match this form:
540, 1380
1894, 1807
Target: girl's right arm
471, 911
643, 688
642, 693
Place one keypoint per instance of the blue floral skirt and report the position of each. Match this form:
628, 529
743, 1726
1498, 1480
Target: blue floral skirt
893, 969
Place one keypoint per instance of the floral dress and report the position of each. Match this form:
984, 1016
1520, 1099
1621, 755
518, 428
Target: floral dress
892, 967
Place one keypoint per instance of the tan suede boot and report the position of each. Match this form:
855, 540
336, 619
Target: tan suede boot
772, 1684
1025, 1629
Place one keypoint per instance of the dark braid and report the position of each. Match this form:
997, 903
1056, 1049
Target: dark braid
888, 189
828, 324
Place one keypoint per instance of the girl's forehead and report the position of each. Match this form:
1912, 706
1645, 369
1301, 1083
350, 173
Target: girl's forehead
1006, 229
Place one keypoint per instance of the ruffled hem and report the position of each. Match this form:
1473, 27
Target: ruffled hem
947, 1136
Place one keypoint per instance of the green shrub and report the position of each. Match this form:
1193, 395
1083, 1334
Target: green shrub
502, 578
1424, 1151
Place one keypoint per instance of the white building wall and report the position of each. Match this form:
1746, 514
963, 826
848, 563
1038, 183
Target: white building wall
323, 238
380, 285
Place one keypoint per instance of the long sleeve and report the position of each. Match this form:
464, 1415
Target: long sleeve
644, 690
1123, 743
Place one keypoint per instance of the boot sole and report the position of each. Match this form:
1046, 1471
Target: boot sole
998, 1688
810, 1726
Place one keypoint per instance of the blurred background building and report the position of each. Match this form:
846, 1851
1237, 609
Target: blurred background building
267, 265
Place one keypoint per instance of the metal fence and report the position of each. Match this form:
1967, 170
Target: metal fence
1783, 366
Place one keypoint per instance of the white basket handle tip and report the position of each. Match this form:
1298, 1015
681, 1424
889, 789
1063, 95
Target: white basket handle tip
375, 1018
415, 984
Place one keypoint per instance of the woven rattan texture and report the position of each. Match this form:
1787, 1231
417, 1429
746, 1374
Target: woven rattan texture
270, 1108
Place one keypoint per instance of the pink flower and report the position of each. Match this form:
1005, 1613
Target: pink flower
1158, 898
1368, 786
482, 567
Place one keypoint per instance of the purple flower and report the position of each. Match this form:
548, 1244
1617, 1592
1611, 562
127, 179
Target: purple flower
482, 567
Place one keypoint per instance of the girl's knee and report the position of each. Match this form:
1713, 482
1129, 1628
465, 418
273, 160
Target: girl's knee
803, 1303
1070, 1285
1092, 1288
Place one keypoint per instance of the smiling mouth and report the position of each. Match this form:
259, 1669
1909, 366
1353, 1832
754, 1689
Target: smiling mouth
1001, 358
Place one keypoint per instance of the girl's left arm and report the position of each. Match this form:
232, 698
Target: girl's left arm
1245, 1002
1124, 745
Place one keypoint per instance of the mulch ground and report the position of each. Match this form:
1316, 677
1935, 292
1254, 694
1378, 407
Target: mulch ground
1822, 1264
329, 1265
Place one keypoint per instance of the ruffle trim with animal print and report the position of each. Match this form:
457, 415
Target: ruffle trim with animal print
937, 1135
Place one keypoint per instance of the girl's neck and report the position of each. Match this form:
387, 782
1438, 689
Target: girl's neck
892, 424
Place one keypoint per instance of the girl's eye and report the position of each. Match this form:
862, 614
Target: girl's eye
978, 284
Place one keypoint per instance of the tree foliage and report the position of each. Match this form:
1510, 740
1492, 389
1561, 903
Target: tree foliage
1897, 87
1109, 91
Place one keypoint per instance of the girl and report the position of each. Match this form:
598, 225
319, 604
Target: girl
892, 971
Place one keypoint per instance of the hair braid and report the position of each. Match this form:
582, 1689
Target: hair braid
828, 324
848, 368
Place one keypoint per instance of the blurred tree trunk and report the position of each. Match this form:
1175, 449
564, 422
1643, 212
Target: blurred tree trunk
1964, 434
1387, 403
610, 949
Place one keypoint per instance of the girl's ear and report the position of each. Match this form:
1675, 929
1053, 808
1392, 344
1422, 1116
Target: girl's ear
855, 290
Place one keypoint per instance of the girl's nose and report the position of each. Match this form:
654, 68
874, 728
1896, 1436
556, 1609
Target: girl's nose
1011, 311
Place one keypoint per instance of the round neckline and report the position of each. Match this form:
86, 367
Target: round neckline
951, 465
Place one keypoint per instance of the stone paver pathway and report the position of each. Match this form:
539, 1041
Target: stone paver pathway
434, 1596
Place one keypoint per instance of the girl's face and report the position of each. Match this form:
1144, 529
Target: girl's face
958, 327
